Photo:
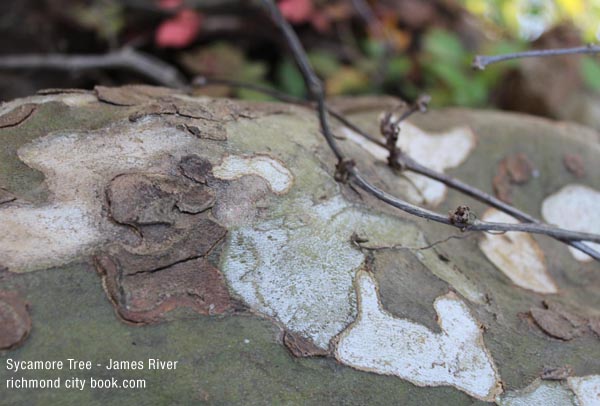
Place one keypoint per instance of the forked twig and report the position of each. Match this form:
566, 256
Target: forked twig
347, 171
404, 161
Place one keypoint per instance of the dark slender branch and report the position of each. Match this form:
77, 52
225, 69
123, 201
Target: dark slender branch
413, 166
346, 169
125, 58
404, 161
481, 61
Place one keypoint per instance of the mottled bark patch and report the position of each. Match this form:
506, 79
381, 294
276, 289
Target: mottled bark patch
515, 169
17, 115
15, 323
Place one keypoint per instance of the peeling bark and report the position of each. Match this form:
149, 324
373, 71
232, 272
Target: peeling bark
194, 209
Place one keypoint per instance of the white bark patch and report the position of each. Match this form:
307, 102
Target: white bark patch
539, 393
274, 172
517, 255
77, 167
436, 151
301, 270
70, 99
381, 343
44, 235
575, 207
587, 389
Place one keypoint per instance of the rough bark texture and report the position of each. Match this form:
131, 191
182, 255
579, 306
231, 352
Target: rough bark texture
138, 223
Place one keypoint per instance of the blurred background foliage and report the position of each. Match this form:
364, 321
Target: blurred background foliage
396, 47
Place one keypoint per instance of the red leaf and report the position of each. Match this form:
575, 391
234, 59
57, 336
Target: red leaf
169, 4
296, 11
179, 31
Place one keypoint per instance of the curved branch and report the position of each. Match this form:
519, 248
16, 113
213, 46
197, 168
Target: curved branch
404, 161
125, 58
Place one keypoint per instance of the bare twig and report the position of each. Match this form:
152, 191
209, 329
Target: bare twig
405, 161
481, 61
390, 129
359, 242
125, 58
346, 168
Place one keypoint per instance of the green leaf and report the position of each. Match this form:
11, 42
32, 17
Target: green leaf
290, 79
248, 94
373, 48
444, 47
325, 64
590, 70
397, 68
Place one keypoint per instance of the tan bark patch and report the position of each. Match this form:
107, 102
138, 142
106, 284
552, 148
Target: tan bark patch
517, 255
574, 164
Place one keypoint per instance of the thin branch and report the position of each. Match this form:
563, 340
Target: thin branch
359, 242
404, 161
346, 169
125, 58
481, 61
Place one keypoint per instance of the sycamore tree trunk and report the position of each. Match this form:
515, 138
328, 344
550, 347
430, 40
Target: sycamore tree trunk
138, 224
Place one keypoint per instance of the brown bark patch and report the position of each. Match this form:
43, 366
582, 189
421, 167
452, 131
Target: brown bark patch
153, 109
302, 347
196, 168
15, 322
146, 199
17, 115
515, 169
148, 282
149, 296
557, 374
131, 95
557, 322
203, 129
168, 273
574, 164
